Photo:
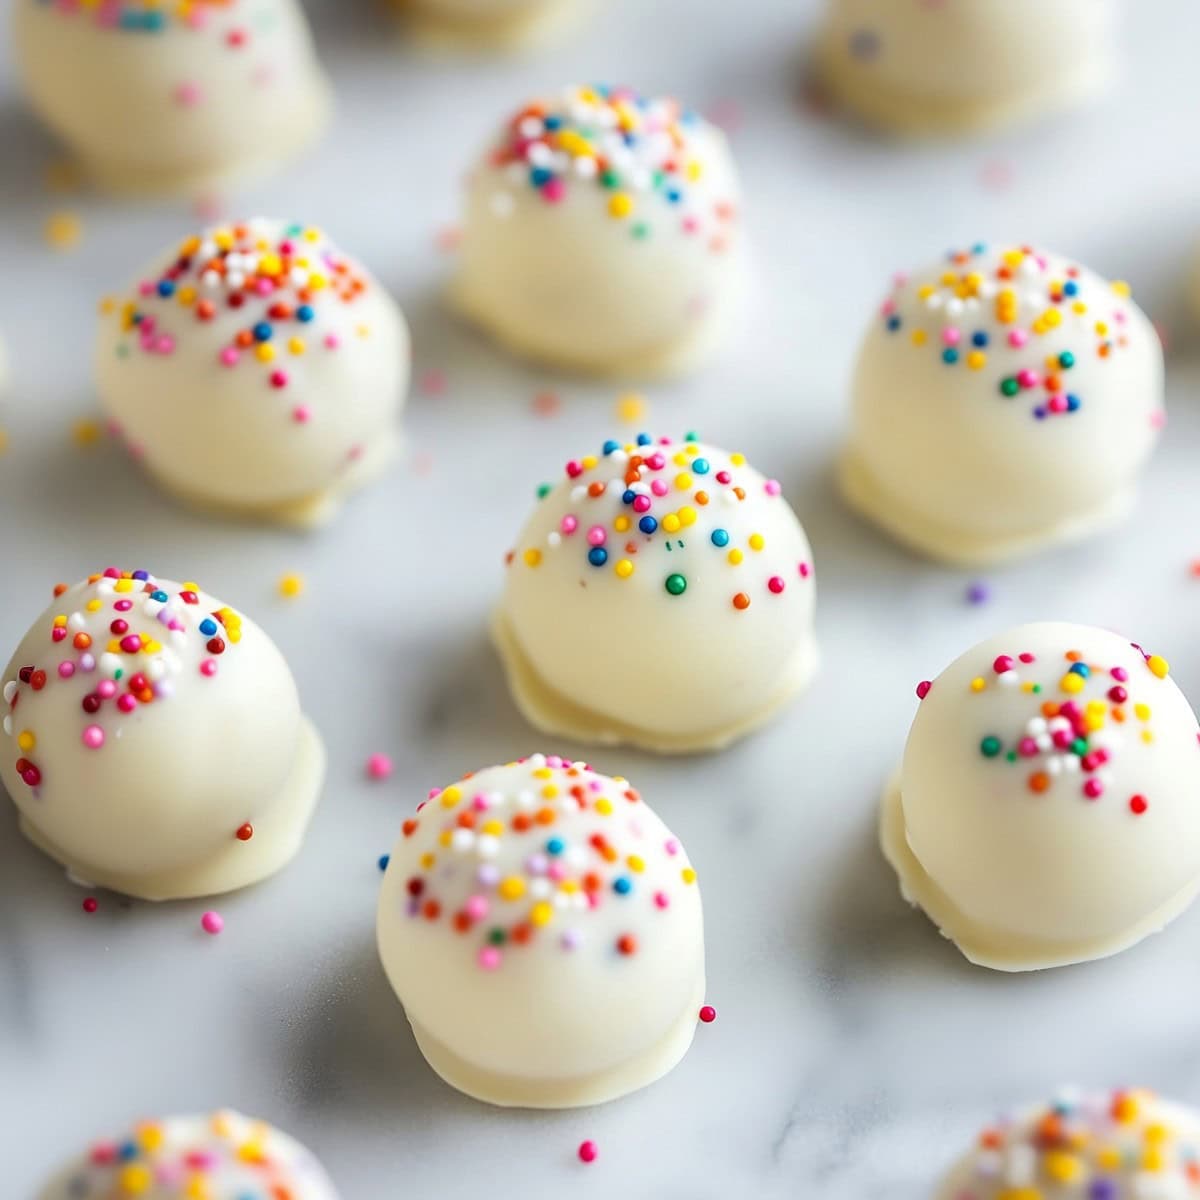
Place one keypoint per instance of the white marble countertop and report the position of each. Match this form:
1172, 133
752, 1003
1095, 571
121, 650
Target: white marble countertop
854, 1052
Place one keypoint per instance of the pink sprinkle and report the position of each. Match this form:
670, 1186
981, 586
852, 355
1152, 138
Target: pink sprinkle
569, 524
126, 703
1093, 789
1017, 338
208, 667
1027, 378
546, 404
93, 737
302, 414
708, 1014
106, 689
554, 191
662, 900
1028, 747
489, 958
188, 95
332, 341
659, 488
574, 469
212, 922
597, 535
477, 907
923, 688
951, 335
229, 357
805, 570
433, 383
279, 379
775, 584
773, 487
379, 766
641, 504
1002, 663
164, 344
66, 670
588, 1151
90, 904
1026, 657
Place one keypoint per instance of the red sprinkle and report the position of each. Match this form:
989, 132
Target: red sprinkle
588, 1151
708, 1014
90, 904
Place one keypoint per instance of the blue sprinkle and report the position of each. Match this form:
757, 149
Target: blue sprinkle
893, 323
950, 356
644, 439
1070, 288
1080, 669
208, 627
161, 597
611, 447
597, 556
647, 524
1073, 403
555, 846
979, 338
141, 576
720, 537
622, 885
263, 332
552, 122
304, 313
166, 288
384, 859
128, 1151
628, 496
540, 176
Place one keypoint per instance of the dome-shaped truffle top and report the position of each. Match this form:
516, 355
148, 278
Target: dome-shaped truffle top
1122, 1145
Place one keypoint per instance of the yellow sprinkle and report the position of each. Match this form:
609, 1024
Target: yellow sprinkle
977, 360
123, 585
543, 773
296, 345
604, 806
532, 557
756, 541
549, 792
1062, 1167
1158, 666
542, 913
1153, 1159
687, 515
1125, 1110
735, 556
1122, 288
1157, 1133
494, 827
738, 460
150, 1136
26, 740
451, 796
512, 888
622, 524
636, 864
291, 585
588, 461
688, 875
671, 523
978, 684
919, 337
1071, 683
63, 230
624, 568
1108, 1158
683, 481
264, 352
630, 408
1142, 711
446, 838
135, 1179
620, 205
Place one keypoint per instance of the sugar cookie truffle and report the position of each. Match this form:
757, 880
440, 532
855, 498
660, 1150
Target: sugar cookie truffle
913, 67
500, 23
542, 928
256, 369
224, 1156
1121, 1145
1004, 400
603, 234
157, 97
1045, 811
661, 594
153, 740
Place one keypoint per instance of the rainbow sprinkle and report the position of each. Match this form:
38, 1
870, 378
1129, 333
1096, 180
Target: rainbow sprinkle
222, 1157
149, 16
640, 155
1079, 712
278, 280
1094, 1147
118, 647
657, 494
1029, 298
535, 872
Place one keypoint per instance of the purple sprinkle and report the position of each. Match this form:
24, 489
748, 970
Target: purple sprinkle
978, 593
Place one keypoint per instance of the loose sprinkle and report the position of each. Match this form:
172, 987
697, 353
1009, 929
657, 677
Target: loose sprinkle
978, 593
588, 1151
708, 1014
631, 408
90, 904
383, 861
63, 230
212, 923
379, 766
291, 586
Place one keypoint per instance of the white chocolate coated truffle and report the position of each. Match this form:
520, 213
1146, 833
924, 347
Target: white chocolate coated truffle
503, 24
603, 234
1004, 400
256, 369
225, 1156
543, 929
914, 67
662, 595
1045, 812
153, 740
1120, 1145
169, 97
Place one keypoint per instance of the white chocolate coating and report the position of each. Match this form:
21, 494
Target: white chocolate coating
1004, 400
1045, 812
279, 429
146, 728
490, 24
915, 67
543, 929
185, 102
225, 1156
662, 595
608, 242
1124, 1145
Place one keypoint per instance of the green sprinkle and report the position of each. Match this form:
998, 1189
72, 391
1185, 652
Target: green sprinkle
990, 747
544, 489
676, 585
1010, 387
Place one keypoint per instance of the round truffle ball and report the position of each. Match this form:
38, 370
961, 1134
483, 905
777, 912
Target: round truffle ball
153, 740
169, 97
542, 928
913, 67
490, 23
661, 594
1045, 812
224, 1156
257, 369
1004, 400
1083, 1146
603, 234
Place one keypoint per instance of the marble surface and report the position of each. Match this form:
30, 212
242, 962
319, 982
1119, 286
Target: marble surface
854, 1051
